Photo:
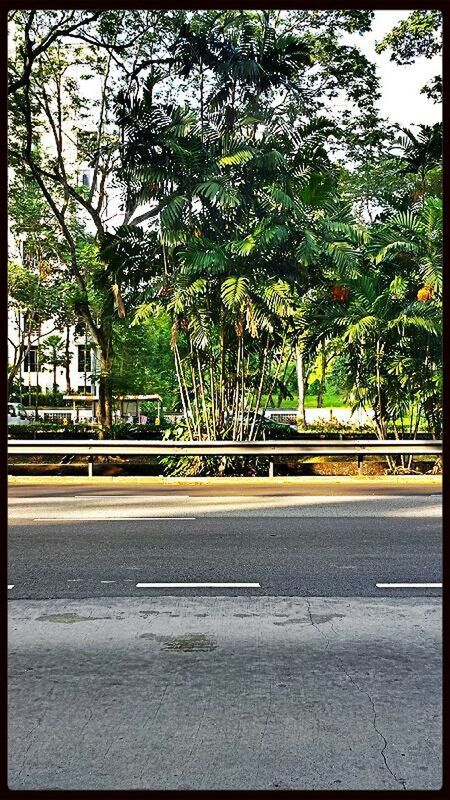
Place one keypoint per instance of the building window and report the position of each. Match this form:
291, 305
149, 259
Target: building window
30, 363
85, 389
84, 358
80, 329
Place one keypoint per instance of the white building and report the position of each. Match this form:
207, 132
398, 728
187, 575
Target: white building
80, 377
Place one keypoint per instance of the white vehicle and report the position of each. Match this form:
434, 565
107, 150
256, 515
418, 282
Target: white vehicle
17, 414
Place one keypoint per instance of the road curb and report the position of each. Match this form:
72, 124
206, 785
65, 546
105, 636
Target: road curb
432, 480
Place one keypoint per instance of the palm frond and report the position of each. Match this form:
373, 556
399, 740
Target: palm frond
234, 290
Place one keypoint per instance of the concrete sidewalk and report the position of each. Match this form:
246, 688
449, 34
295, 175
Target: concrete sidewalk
225, 693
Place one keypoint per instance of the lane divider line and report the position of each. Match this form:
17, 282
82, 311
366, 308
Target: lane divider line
198, 585
107, 581
409, 585
102, 519
10, 586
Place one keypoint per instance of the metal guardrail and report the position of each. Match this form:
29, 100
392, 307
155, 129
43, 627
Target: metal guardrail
271, 449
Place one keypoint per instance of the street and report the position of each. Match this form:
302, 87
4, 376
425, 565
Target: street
308, 669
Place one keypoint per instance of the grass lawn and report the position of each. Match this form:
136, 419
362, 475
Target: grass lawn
329, 401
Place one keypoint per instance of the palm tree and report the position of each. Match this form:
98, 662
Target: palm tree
421, 154
225, 251
382, 299
53, 353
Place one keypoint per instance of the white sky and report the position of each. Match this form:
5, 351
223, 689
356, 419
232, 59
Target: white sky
400, 85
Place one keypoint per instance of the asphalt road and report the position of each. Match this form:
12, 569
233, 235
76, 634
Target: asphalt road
316, 679
342, 545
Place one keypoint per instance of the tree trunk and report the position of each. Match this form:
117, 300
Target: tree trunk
67, 360
301, 416
323, 369
12, 376
38, 366
382, 421
55, 380
29, 371
105, 390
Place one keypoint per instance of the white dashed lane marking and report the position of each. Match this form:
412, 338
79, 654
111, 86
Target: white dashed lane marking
104, 519
409, 585
198, 585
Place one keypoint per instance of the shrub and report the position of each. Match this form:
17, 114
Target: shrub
127, 430
130, 430
52, 430
44, 399
83, 430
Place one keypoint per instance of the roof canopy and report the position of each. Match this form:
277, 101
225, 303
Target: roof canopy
117, 397
138, 397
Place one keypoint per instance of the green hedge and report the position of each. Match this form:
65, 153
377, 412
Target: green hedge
127, 430
53, 430
45, 399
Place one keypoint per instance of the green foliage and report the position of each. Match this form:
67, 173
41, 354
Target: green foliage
79, 430
44, 399
420, 34
144, 363
51, 430
53, 355
391, 319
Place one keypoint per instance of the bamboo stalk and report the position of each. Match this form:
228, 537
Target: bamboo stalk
241, 427
213, 398
181, 384
260, 387
194, 389
273, 384
236, 391
202, 394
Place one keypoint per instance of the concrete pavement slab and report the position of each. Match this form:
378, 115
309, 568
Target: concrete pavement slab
223, 693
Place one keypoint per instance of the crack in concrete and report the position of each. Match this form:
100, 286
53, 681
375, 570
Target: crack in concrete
108, 749
194, 740
363, 691
32, 731
269, 708
91, 714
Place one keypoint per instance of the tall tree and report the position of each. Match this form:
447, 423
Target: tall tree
235, 182
49, 92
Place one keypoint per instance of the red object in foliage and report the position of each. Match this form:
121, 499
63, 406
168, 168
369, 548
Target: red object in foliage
340, 293
424, 294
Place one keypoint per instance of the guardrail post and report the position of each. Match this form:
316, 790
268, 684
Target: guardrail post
360, 464
271, 466
91, 466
